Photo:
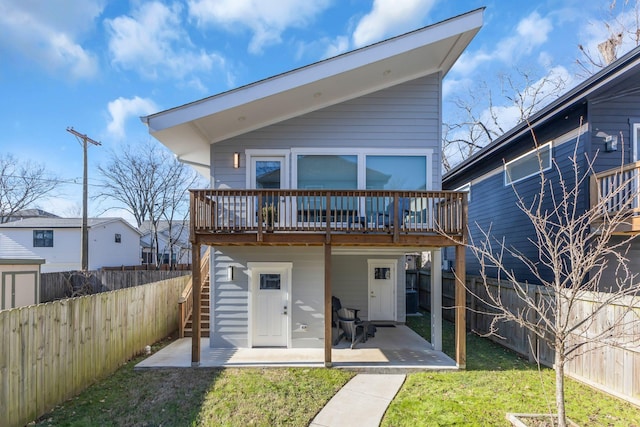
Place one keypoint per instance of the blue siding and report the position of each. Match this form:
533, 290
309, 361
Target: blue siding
494, 205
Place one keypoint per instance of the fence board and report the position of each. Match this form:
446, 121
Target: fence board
52, 351
614, 369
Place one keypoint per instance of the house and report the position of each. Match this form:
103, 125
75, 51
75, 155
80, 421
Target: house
112, 241
601, 119
30, 213
19, 274
173, 246
322, 178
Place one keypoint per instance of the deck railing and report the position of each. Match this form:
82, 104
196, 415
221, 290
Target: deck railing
328, 211
617, 191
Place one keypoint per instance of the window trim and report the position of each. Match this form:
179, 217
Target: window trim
635, 129
508, 182
362, 154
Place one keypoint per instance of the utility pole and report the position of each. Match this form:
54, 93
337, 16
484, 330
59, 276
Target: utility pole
83, 140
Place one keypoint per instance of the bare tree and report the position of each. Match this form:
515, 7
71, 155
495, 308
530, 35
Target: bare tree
575, 248
150, 183
22, 184
623, 31
483, 116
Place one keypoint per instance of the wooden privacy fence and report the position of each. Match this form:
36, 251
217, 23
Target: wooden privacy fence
613, 368
67, 284
50, 352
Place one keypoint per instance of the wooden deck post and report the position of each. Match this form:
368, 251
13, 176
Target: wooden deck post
436, 299
461, 307
328, 311
196, 292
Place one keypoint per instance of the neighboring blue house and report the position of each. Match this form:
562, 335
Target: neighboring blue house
608, 106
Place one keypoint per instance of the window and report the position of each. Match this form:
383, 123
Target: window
396, 172
327, 171
269, 281
118, 238
528, 164
636, 142
42, 238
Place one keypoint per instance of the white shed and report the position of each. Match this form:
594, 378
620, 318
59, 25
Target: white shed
19, 274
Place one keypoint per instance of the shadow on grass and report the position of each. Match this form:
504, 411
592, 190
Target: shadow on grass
200, 397
482, 353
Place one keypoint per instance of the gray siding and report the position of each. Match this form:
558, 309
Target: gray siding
230, 300
404, 116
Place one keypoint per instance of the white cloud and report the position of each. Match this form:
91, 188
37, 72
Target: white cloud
390, 17
336, 46
122, 109
267, 20
530, 33
48, 32
153, 43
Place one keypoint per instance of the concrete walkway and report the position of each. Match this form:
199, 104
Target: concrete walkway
361, 402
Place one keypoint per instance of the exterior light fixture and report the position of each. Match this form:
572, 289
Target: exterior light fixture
236, 160
230, 273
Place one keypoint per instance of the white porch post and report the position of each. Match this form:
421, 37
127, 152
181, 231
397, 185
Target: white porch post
436, 299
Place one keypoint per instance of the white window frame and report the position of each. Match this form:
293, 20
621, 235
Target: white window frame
508, 181
636, 142
362, 154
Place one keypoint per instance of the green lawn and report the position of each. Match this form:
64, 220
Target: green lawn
495, 382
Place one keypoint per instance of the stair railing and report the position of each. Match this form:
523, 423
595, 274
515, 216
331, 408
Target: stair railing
185, 302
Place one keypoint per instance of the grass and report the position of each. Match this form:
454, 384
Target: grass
201, 397
496, 381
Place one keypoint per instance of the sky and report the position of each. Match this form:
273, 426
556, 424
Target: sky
98, 65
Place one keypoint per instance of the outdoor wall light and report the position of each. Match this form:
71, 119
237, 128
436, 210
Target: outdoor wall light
236, 160
230, 273
611, 143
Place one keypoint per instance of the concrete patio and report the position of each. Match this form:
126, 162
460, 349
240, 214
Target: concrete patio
395, 349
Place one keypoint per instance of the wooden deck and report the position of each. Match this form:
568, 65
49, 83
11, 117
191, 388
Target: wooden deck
616, 195
329, 218
318, 217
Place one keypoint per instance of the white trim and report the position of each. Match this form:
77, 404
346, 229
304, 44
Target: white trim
253, 267
251, 155
562, 139
466, 188
507, 179
636, 141
394, 276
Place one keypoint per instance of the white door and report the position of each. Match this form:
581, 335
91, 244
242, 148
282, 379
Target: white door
270, 284
382, 289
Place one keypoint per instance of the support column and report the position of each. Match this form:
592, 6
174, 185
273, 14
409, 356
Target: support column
436, 299
196, 280
328, 330
461, 307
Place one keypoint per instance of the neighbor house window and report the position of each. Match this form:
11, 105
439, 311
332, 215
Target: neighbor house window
529, 164
118, 238
42, 238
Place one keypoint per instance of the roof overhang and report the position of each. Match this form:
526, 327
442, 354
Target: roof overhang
190, 129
